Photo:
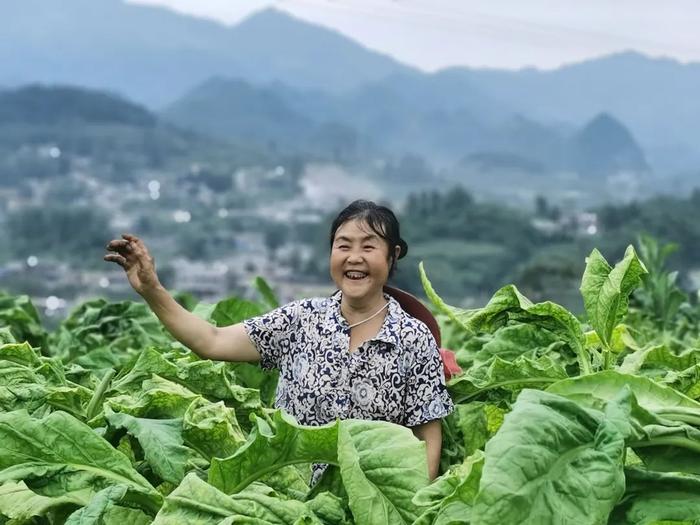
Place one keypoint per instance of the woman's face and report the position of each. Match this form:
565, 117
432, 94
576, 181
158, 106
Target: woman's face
359, 260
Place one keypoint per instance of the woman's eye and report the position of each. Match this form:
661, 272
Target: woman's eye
368, 248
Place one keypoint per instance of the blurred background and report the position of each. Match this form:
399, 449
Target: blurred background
510, 138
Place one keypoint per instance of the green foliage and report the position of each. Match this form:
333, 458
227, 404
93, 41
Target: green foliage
660, 297
598, 444
555, 421
20, 321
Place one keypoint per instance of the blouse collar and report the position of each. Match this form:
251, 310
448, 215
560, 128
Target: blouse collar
388, 333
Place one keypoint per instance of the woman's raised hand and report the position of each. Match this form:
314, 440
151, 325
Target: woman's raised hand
131, 254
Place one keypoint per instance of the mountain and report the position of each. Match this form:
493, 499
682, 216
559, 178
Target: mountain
153, 55
605, 147
38, 104
268, 117
234, 108
655, 97
315, 75
48, 131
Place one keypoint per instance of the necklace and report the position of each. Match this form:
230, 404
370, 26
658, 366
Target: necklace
375, 314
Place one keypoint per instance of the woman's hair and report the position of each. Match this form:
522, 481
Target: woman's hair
380, 219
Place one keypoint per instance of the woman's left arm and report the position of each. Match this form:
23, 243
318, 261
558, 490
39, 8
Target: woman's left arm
431, 433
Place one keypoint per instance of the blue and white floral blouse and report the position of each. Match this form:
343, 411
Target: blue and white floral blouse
397, 376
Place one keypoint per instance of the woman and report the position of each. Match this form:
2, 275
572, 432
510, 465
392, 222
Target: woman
356, 354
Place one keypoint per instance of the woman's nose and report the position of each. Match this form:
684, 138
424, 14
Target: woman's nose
355, 255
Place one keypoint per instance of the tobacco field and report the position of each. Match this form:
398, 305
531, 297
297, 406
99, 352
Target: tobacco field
559, 419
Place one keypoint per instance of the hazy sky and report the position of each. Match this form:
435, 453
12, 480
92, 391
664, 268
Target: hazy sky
432, 34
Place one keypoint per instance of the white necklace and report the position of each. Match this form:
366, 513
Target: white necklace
375, 314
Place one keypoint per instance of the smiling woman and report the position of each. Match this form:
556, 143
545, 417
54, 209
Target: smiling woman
356, 354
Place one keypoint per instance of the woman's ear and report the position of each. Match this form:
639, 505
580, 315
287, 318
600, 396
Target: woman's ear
397, 252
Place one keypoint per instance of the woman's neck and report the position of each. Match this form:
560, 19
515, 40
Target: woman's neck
355, 311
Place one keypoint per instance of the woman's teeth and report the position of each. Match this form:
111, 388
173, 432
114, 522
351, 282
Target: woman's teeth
355, 276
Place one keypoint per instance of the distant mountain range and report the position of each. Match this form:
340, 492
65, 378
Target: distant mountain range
153, 55
235, 110
279, 80
295, 120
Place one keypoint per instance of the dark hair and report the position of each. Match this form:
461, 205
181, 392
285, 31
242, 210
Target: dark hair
381, 221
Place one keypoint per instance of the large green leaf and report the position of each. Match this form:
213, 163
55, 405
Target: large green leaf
550, 453
606, 385
19, 502
21, 353
229, 311
271, 446
657, 360
212, 429
382, 466
195, 502
500, 375
472, 420
209, 378
61, 452
449, 499
161, 441
508, 304
606, 290
457, 315
31, 381
510, 342
662, 444
330, 509
118, 515
653, 496
158, 398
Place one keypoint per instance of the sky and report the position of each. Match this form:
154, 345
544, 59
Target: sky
510, 34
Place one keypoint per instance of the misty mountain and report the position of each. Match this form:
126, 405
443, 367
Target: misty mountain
38, 104
153, 55
43, 129
318, 76
234, 108
266, 117
605, 147
400, 121
655, 97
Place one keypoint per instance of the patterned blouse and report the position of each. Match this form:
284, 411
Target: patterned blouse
397, 376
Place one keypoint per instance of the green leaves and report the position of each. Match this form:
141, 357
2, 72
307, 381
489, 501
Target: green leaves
20, 503
99, 334
505, 375
198, 503
655, 496
161, 441
574, 464
273, 445
606, 290
619, 446
449, 499
381, 465
509, 305
59, 452
604, 386
21, 319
